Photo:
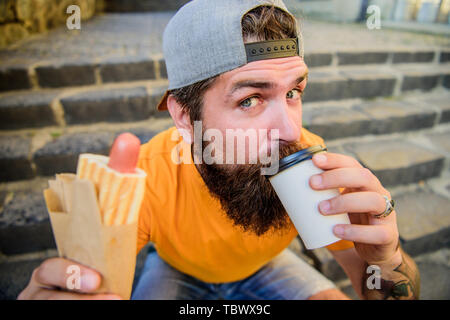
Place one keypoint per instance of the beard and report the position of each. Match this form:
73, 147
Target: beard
247, 196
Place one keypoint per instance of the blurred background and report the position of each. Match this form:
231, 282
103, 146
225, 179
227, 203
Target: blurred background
378, 91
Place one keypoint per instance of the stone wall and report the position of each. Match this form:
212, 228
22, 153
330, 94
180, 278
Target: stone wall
20, 18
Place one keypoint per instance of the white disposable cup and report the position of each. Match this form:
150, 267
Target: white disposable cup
301, 202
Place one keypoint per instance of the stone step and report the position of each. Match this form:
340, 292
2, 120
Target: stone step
59, 72
134, 101
368, 82
397, 160
124, 102
402, 158
377, 116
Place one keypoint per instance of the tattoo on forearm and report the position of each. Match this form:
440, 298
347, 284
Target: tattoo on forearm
401, 283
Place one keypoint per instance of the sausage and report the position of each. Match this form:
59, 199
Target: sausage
124, 153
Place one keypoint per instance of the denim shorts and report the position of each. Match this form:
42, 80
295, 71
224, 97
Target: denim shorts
285, 277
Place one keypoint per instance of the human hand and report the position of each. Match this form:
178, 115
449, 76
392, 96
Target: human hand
376, 240
49, 282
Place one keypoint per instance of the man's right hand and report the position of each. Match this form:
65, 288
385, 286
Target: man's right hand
49, 282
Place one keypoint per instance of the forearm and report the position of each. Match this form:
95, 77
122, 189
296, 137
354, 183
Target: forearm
397, 280
353, 266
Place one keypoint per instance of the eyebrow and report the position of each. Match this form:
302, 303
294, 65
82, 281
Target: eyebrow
261, 84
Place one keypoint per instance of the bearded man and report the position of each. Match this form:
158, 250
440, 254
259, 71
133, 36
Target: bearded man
218, 227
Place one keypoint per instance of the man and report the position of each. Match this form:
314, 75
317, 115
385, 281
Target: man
218, 228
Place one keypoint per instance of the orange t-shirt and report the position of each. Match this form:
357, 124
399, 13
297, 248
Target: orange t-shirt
188, 226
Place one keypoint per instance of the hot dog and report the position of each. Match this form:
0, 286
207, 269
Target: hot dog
119, 184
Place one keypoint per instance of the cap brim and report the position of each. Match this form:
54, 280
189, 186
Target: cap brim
162, 105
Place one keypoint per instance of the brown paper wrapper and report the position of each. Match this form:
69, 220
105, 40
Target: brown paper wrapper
80, 235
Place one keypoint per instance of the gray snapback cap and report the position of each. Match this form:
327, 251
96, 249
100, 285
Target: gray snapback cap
204, 39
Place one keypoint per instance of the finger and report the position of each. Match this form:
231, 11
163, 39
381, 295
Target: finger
355, 202
368, 234
48, 294
55, 272
360, 178
328, 160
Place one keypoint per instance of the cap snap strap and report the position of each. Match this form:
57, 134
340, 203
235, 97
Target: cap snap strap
271, 49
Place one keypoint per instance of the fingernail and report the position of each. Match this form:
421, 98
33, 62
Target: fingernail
324, 206
339, 231
320, 158
316, 180
89, 281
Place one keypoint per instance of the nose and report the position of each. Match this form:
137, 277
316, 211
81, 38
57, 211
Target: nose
288, 120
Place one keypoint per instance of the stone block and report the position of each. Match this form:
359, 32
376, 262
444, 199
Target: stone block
422, 77
61, 155
316, 59
389, 116
25, 225
369, 57
127, 71
396, 162
446, 81
444, 56
14, 78
14, 277
14, 161
434, 270
66, 74
335, 122
420, 82
324, 86
423, 221
27, 110
412, 56
368, 83
442, 102
441, 140
109, 105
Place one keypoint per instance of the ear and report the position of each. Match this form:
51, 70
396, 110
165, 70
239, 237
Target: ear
181, 118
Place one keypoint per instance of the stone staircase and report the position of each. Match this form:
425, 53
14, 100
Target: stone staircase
387, 107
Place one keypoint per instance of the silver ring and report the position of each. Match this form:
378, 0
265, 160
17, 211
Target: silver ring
390, 204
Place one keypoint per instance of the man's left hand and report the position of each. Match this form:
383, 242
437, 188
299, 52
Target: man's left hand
376, 239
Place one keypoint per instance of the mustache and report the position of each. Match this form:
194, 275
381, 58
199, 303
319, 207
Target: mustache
285, 148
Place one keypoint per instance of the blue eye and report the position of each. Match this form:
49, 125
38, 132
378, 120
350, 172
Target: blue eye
249, 102
294, 94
